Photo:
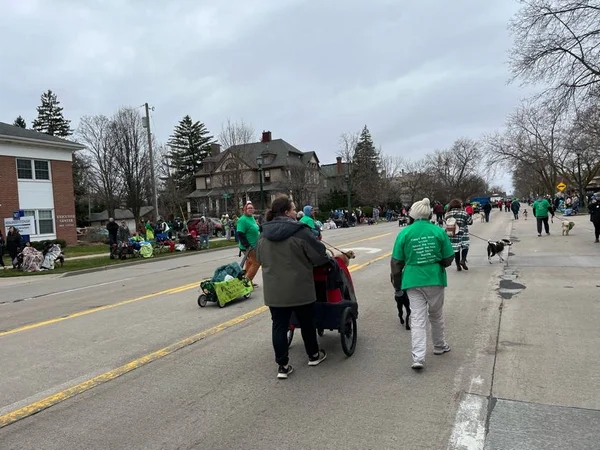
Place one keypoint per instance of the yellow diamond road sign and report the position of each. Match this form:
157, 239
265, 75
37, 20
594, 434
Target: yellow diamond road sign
561, 186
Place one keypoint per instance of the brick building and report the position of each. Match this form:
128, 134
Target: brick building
36, 178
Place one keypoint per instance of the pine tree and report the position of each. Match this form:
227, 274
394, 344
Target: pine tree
50, 118
365, 173
20, 122
189, 144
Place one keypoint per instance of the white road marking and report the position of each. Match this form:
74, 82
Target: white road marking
368, 250
469, 426
79, 288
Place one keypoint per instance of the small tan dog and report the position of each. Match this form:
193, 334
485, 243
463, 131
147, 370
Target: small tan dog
482, 217
566, 227
345, 256
525, 214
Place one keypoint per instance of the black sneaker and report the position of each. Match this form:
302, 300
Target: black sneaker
283, 372
317, 359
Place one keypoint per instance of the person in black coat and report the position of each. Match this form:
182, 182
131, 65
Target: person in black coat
2, 243
113, 230
13, 243
487, 209
594, 209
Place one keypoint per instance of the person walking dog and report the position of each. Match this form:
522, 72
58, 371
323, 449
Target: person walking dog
288, 252
421, 253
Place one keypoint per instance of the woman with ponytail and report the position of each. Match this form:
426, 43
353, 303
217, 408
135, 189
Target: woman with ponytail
288, 252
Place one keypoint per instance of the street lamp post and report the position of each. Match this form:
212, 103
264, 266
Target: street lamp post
580, 181
259, 162
348, 192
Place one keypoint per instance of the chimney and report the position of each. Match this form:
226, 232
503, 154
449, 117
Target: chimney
339, 164
266, 136
215, 149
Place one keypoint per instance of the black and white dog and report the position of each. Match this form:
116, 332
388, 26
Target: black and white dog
497, 248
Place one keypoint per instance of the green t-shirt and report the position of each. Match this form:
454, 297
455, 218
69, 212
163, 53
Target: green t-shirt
422, 246
248, 226
308, 221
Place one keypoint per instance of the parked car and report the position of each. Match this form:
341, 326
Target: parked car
218, 230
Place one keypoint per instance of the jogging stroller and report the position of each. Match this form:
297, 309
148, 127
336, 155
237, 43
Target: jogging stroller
336, 307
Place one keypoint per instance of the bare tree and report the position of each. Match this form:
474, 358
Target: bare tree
347, 147
95, 133
301, 182
458, 170
557, 42
236, 137
415, 181
534, 137
391, 173
132, 157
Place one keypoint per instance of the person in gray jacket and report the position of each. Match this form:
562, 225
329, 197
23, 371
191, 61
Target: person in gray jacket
288, 252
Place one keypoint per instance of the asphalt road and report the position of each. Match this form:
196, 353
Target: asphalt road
125, 359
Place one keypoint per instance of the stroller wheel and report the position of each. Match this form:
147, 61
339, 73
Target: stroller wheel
348, 331
202, 300
290, 336
321, 332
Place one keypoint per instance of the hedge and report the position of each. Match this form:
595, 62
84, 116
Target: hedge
40, 245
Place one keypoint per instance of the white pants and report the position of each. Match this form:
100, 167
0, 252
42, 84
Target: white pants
422, 300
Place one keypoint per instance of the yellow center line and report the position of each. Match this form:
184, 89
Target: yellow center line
54, 399
174, 290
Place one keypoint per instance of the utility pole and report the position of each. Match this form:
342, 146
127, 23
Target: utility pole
151, 154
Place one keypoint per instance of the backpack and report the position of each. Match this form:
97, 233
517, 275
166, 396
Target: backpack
452, 228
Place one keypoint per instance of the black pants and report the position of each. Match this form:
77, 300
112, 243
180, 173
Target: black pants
439, 217
597, 229
516, 214
281, 322
540, 221
2, 255
487, 216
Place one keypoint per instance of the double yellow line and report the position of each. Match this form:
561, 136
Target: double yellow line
47, 402
174, 290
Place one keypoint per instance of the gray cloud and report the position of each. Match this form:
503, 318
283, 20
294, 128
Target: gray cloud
419, 74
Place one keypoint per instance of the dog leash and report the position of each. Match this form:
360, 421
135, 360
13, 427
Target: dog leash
335, 248
480, 238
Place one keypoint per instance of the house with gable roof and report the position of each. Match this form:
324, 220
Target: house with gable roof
36, 184
232, 177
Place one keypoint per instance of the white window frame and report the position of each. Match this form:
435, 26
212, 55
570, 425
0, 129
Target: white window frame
32, 166
36, 216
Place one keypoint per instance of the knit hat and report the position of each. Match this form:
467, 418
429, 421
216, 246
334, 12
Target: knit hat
420, 210
307, 210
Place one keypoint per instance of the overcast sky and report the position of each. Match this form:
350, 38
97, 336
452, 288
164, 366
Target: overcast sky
419, 73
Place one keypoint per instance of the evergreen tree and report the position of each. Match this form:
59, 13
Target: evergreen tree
50, 118
365, 173
20, 122
189, 144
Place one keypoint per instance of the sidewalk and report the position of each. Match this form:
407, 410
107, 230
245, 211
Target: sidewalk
546, 384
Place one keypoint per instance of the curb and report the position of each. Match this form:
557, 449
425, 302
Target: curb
142, 261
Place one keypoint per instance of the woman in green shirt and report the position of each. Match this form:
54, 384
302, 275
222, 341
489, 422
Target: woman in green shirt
248, 231
422, 252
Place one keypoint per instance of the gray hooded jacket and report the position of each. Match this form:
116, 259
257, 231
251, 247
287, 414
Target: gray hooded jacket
288, 252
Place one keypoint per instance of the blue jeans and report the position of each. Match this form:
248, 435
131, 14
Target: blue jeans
203, 240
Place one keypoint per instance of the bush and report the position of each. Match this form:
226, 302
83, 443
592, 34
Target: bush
40, 245
367, 211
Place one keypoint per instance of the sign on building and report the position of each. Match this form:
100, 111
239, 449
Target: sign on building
25, 225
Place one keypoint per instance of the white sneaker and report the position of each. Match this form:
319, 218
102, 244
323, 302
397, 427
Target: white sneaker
418, 365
